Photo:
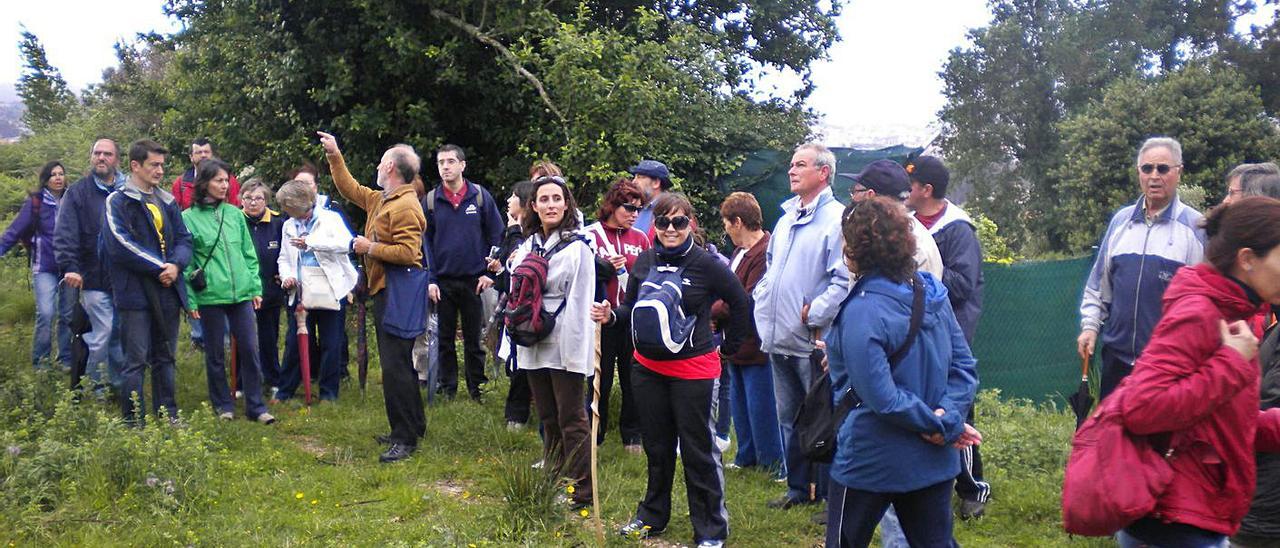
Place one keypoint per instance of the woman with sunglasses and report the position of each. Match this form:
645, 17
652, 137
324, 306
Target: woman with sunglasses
675, 381
615, 239
557, 366
224, 289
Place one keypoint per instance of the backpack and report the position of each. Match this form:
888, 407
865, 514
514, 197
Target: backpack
819, 418
28, 242
431, 200
522, 314
659, 326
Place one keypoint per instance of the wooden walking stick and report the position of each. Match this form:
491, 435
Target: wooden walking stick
304, 351
595, 427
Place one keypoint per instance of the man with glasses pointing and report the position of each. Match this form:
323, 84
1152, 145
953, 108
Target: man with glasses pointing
1145, 243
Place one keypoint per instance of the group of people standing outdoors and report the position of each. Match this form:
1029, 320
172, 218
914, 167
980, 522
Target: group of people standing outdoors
1175, 306
881, 297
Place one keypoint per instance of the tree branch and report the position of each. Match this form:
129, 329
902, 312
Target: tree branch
511, 59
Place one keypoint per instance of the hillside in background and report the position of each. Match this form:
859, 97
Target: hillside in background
10, 113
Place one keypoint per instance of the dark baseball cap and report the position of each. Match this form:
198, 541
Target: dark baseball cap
655, 169
929, 170
886, 178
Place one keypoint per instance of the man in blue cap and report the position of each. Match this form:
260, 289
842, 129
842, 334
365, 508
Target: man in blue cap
653, 178
888, 178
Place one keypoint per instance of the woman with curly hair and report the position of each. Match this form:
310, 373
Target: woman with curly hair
911, 389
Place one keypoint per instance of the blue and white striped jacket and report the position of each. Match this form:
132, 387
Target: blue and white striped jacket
1122, 297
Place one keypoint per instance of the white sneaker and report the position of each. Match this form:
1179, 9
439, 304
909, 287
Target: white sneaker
226, 416
722, 444
538, 465
239, 394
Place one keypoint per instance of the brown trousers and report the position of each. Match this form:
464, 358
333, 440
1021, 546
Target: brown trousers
557, 396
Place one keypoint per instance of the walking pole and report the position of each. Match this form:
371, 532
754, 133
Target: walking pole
231, 360
362, 333
595, 426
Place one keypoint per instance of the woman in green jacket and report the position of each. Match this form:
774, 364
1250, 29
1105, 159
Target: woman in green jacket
224, 289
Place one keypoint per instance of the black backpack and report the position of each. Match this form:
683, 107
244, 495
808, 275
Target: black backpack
522, 314
819, 419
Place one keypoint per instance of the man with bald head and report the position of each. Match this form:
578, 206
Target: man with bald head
75, 247
392, 240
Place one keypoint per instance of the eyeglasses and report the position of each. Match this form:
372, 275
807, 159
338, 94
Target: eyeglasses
663, 222
552, 178
248, 199
858, 190
1162, 169
631, 208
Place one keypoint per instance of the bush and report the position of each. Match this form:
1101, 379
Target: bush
61, 458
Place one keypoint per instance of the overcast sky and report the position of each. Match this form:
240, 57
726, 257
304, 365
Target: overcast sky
881, 77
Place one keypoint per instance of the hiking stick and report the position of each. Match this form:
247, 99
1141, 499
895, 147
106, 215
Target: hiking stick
595, 427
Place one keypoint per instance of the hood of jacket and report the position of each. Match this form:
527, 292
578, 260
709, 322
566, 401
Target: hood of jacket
1205, 280
935, 294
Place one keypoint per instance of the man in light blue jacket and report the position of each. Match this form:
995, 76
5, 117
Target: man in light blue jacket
804, 283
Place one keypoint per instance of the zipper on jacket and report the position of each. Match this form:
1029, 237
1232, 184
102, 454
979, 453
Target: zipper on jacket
1137, 293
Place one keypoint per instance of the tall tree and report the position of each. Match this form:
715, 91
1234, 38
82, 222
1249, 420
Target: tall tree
45, 94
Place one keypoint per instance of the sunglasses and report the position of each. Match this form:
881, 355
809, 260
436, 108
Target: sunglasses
679, 222
553, 178
1158, 168
631, 208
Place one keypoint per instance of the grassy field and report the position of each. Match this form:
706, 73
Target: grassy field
71, 474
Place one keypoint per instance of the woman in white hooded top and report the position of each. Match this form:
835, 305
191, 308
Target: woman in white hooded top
558, 365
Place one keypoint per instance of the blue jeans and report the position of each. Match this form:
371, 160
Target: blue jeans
755, 417
150, 341
925, 514
1153, 533
51, 296
269, 343
329, 334
792, 377
104, 341
243, 322
724, 405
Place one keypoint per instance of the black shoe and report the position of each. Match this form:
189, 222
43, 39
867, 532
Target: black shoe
787, 501
970, 509
639, 529
397, 452
384, 439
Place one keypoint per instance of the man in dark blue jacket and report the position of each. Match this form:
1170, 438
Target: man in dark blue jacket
75, 247
957, 239
146, 246
463, 223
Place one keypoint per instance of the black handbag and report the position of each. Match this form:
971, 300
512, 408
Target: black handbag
819, 419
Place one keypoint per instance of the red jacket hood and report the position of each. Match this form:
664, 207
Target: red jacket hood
1203, 280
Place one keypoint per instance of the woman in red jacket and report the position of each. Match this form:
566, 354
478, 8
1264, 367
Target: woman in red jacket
1195, 387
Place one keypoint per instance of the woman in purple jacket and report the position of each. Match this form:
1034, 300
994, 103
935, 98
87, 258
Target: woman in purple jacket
34, 229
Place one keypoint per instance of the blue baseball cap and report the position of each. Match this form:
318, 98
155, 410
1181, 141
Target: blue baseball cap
655, 169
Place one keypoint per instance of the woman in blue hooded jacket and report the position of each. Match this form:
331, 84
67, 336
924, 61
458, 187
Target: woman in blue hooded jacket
898, 446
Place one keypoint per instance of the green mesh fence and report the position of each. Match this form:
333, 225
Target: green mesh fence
1026, 340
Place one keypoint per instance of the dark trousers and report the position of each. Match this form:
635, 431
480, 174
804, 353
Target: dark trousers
1114, 370
755, 418
679, 411
399, 381
215, 319
925, 515
557, 395
724, 404
969, 484
458, 297
615, 353
269, 344
518, 398
149, 341
327, 335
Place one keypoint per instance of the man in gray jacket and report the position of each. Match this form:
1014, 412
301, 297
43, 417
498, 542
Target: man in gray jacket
804, 283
